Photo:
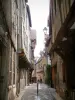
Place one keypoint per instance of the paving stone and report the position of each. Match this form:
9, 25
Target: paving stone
44, 93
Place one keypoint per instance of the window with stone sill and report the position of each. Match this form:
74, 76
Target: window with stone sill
12, 66
62, 11
23, 8
26, 42
53, 10
21, 74
54, 2
16, 1
64, 72
15, 17
26, 21
15, 27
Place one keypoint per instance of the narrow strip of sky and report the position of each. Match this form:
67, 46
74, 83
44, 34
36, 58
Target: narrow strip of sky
39, 14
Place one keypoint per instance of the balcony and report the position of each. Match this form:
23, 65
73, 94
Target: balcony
23, 61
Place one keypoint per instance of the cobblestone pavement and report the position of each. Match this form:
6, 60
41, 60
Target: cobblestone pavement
45, 93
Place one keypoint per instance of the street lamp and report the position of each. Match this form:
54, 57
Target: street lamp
46, 35
45, 30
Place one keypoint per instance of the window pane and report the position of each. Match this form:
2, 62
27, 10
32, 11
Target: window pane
10, 67
13, 78
13, 67
10, 78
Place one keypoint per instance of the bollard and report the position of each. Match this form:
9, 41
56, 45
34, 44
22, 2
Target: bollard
37, 88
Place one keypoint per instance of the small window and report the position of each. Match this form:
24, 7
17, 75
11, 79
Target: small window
16, 1
10, 67
13, 67
55, 6
63, 72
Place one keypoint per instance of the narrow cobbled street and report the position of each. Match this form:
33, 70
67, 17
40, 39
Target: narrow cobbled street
45, 93
37, 49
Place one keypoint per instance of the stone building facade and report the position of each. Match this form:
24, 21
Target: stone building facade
9, 52
15, 23
41, 68
60, 46
24, 42
33, 45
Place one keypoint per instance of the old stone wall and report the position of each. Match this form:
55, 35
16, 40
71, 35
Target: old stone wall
60, 84
4, 63
7, 12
